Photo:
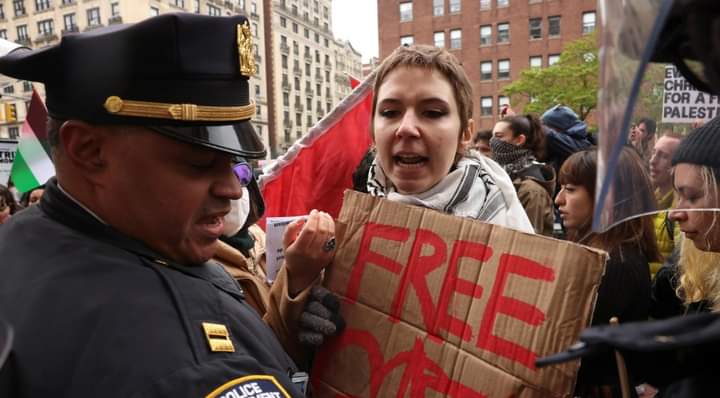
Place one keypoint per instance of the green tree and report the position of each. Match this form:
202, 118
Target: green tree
572, 81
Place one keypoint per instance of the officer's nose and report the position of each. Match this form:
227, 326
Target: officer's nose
227, 185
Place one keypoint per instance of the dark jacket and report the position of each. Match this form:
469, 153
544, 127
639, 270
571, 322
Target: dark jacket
97, 313
562, 144
624, 293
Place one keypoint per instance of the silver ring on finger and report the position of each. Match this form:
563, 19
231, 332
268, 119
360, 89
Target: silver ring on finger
329, 245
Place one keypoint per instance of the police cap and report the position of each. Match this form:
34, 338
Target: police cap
183, 75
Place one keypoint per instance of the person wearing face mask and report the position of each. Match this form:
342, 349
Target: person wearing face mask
516, 144
299, 321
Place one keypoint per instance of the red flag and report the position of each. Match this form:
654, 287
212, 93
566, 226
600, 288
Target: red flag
353, 82
318, 168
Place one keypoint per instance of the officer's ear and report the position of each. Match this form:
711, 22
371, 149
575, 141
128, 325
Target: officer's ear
84, 145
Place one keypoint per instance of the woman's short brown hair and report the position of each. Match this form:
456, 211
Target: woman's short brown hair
436, 59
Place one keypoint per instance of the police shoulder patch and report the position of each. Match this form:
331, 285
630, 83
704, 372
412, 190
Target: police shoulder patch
253, 386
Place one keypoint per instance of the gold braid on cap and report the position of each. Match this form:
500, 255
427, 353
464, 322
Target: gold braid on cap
190, 112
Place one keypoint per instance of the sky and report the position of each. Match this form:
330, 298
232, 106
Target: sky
356, 20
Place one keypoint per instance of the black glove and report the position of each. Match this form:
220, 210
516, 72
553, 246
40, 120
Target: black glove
320, 318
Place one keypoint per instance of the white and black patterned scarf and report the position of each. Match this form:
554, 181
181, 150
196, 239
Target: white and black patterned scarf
511, 157
476, 188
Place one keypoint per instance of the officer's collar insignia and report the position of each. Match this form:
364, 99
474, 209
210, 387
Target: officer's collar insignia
218, 337
246, 51
254, 386
188, 112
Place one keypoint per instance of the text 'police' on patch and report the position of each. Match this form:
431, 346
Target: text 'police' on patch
256, 386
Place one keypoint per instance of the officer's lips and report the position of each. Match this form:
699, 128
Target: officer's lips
212, 225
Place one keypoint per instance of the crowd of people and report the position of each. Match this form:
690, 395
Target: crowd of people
149, 249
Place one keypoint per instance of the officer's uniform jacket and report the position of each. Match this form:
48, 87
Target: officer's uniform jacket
274, 304
96, 313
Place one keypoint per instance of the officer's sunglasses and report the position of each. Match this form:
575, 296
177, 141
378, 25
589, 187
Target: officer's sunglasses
244, 173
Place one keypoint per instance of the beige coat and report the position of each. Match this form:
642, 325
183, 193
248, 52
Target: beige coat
536, 197
273, 303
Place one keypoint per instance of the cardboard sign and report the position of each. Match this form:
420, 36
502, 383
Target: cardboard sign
7, 157
683, 103
438, 306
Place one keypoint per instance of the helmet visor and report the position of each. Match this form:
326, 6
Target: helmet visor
629, 32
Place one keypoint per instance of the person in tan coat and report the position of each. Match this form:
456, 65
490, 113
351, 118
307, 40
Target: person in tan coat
516, 144
241, 251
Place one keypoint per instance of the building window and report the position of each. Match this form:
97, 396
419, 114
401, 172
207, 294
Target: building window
27, 86
197, 6
406, 40
284, 61
2, 11
286, 99
9, 89
536, 61
406, 12
283, 22
154, 11
93, 16
306, 33
438, 7
456, 38
486, 70
454, 6
552, 59
503, 3
503, 69
45, 27
180, 3
307, 69
3, 34
22, 32
295, 27
486, 106
19, 7
554, 26
484, 4
502, 101
535, 28
42, 5
588, 22
69, 22
485, 35
439, 39
213, 11
115, 9
503, 32
14, 132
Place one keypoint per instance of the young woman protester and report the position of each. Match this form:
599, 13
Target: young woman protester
422, 127
625, 289
516, 144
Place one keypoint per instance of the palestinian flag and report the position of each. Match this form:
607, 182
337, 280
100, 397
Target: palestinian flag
33, 165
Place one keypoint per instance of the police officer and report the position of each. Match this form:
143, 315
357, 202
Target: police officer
106, 281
